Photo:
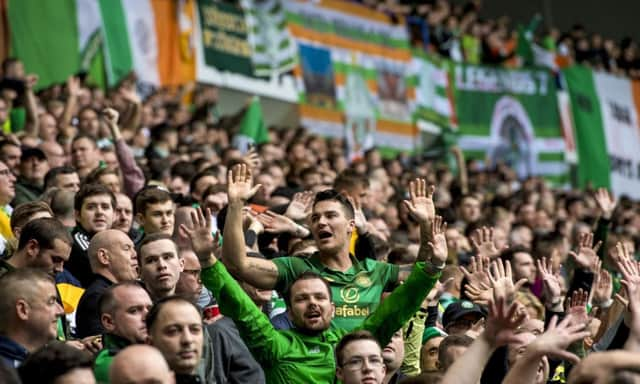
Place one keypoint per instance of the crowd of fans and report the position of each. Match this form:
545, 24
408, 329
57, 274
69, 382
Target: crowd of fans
456, 31
140, 246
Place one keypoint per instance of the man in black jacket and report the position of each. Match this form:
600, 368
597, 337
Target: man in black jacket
94, 205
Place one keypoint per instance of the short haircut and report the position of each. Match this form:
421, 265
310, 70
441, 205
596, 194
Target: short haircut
183, 169
214, 189
350, 338
332, 194
62, 203
83, 135
53, 173
349, 179
52, 361
89, 190
5, 142
107, 303
148, 196
45, 231
23, 212
204, 173
306, 275
94, 176
508, 254
152, 316
153, 237
19, 284
451, 341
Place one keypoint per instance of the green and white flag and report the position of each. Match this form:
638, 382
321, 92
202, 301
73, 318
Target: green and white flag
605, 113
252, 128
511, 116
274, 51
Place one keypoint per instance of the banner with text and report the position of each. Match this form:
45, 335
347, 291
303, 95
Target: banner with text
605, 114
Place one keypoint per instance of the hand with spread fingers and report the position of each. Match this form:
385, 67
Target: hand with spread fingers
577, 307
274, 223
501, 278
587, 255
300, 206
502, 323
438, 242
557, 338
477, 273
483, 243
203, 243
551, 281
602, 287
606, 202
240, 186
421, 204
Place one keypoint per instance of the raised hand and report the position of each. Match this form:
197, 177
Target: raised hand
421, 204
437, 291
204, 245
501, 278
606, 202
502, 323
483, 243
587, 255
240, 186
558, 336
577, 307
602, 287
478, 272
438, 242
274, 223
31, 80
622, 253
300, 206
129, 94
479, 295
551, 281
73, 86
111, 116
358, 215
252, 158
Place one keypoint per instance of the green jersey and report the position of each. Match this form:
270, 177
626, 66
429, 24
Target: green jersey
291, 357
356, 292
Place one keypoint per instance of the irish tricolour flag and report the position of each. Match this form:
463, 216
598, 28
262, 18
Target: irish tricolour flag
115, 37
605, 112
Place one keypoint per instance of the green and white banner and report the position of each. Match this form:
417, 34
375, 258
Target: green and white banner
605, 113
499, 115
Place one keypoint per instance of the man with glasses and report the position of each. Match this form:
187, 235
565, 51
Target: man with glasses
7, 193
359, 359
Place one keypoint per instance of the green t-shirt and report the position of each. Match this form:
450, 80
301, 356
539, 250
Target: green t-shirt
356, 292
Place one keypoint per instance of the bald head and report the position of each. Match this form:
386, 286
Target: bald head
113, 255
140, 364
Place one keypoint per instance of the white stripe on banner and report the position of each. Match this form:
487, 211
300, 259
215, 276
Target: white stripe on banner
484, 143
89, 20
143, 41
313, 11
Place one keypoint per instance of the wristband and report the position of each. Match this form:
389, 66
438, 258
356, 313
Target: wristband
605, 304
432, 269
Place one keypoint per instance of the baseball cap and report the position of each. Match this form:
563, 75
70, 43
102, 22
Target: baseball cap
28, 152
459, 309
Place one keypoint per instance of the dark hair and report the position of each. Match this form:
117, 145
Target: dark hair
88, 190
85, 136
332, 194
23, 212
94, 176
52, 361
149, 195
45, 230
152, 316
350, 179
183, 169
150, 238
446, 343
508, 254
5, 142
107, 301
6, 63
350, 338
194, 180
306, 275
53, 173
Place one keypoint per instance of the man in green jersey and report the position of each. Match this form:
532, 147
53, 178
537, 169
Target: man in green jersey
304, 354
356, 285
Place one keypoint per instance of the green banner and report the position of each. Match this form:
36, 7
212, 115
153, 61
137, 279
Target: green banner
225, 42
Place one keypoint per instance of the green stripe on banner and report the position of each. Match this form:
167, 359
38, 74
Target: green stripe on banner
119, 59
593, 165
474, 155
44, 35
557, 180
551, 156
369, 74
389, 153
